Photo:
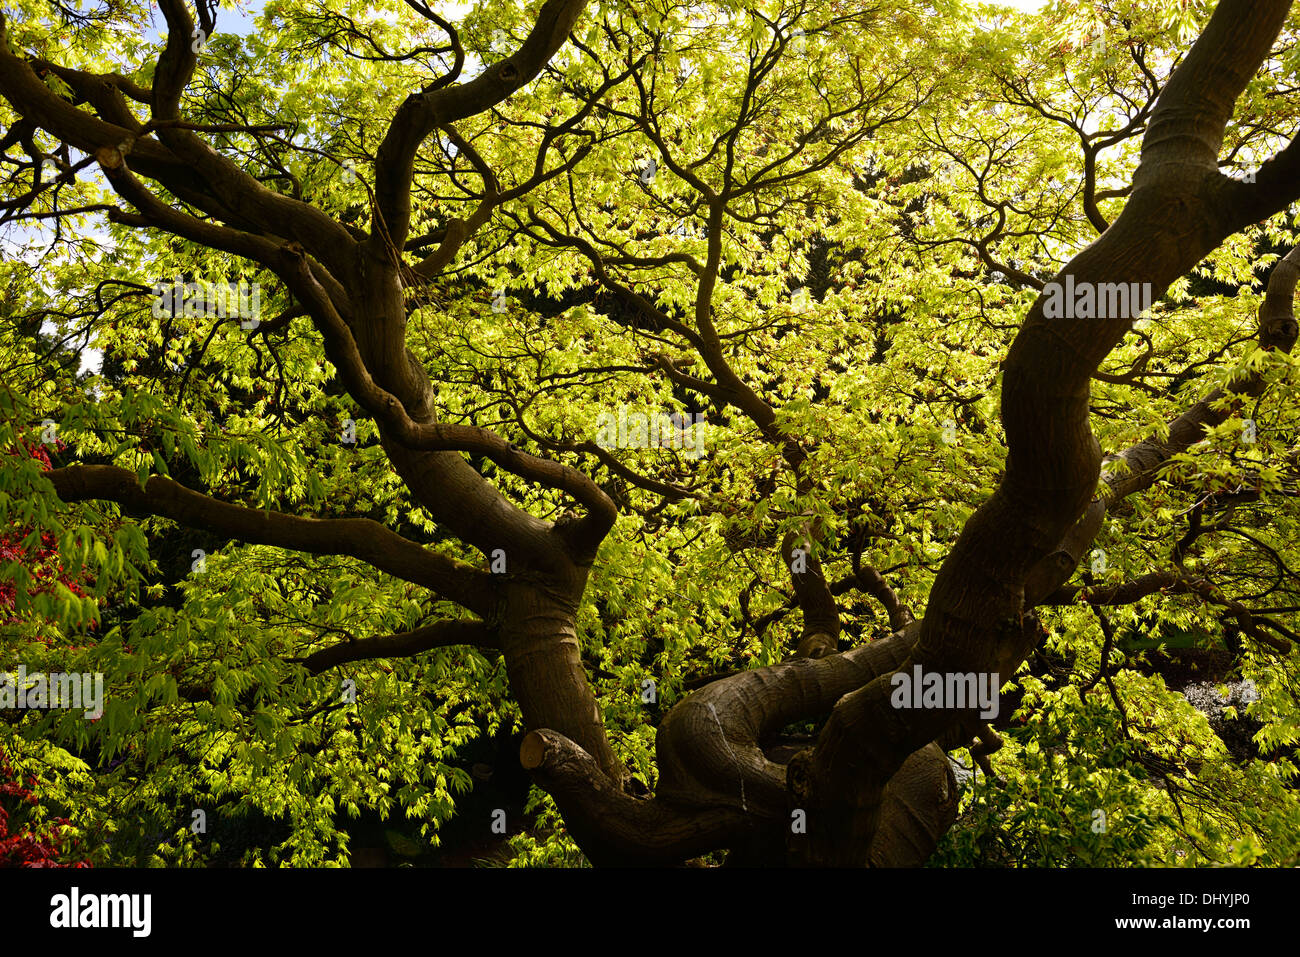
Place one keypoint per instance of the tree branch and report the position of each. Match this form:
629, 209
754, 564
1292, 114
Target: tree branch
359, 538
404, 644
421, 113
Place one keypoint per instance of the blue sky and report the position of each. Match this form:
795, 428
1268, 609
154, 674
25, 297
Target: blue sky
238, 21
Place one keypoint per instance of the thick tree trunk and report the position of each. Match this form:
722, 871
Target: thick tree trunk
541, 584
547, 677
877, 787
1181, 208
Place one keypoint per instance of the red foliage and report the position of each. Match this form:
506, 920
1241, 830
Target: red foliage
25, 848
42, 562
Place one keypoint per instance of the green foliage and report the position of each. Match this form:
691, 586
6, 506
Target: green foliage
879, 148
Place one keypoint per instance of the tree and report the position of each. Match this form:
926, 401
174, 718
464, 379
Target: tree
439, 491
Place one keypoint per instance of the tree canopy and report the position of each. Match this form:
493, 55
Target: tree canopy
572, 432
